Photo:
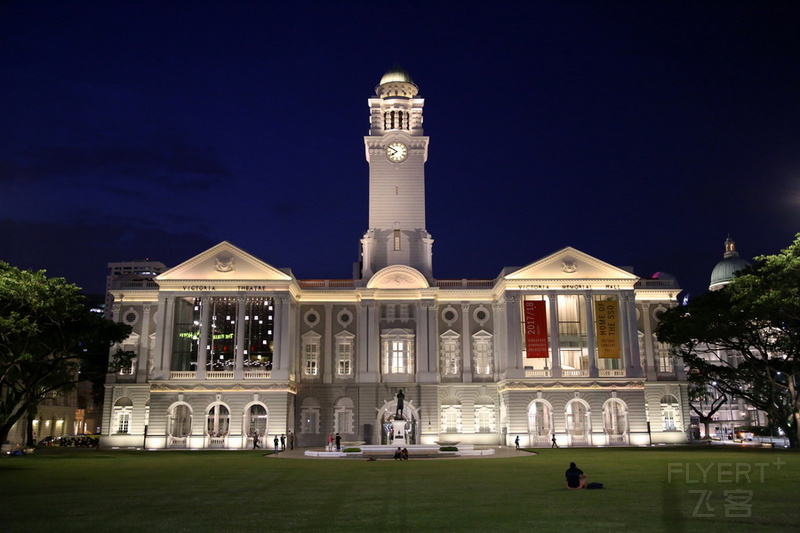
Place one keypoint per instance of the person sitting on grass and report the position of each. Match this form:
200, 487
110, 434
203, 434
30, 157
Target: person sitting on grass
576, 479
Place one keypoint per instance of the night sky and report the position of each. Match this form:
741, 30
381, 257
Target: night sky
641, 133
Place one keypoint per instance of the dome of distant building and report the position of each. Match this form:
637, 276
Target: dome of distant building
664, 276
731, 263
396, 74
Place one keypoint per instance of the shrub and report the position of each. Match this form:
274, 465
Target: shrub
352, 450
448, 449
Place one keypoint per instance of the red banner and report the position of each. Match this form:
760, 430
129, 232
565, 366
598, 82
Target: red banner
536, 329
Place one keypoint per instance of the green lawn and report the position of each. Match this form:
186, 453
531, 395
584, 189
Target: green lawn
90, 491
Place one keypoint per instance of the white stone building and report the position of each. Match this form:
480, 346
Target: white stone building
229, 345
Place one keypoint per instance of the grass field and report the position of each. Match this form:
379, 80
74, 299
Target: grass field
647, 490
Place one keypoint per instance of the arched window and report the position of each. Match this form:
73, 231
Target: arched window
577, 421
309, 416
123, 408
484, 415
218, 420
540, 420
615, 420
343, 416
256, 420
451, 419
670, 413
180, 421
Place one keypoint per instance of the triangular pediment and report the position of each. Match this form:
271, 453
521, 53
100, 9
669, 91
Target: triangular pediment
571, 264
223, 262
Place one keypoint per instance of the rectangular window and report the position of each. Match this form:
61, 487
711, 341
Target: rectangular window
664, 358
186, 331
483, 356
398, 350
345, 358
450, 356
572, 334
124, 420
397, 357
312, 359
396, 240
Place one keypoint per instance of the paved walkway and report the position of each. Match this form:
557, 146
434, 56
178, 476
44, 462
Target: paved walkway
499, 451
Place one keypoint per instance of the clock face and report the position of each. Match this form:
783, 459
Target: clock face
396, 152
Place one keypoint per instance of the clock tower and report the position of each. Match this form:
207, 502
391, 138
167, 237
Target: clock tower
396, 150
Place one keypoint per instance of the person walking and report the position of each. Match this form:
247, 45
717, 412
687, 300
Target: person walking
283, 442
338, 442
255, 440
553, 440
291, 440
516, 442
276, 443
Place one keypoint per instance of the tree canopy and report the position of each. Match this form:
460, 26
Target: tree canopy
745, 337
49, 341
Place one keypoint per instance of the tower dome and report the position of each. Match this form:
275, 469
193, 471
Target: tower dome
396, 83
731, 263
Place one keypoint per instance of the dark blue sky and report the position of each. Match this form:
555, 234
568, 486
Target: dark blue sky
639, 132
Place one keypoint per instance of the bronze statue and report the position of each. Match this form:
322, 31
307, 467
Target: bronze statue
398, 414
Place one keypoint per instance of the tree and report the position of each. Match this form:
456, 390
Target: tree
49, 341
701, 392
755, 322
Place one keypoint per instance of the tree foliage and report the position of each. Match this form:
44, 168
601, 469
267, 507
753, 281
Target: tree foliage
745, 338
49, 341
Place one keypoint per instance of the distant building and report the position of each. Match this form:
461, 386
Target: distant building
736, 412
230, 346
131, 275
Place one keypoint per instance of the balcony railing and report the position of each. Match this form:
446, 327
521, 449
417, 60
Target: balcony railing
471, 283
613, 373
183, 374
256, 374
530, 373
326, 283
219, 375
575, 373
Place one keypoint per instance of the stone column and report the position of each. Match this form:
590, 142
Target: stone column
205, 329
143, 362
466, 345
168, 321
374, 344
636, 356
241, 313
328, 364
433, 341
500, 344
590, 338
422, 366
362, 341
514, 338
555, 344
649, 348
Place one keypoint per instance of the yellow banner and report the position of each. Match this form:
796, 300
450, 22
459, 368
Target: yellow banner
607, 321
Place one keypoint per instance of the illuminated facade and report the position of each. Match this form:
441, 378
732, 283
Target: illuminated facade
229, 346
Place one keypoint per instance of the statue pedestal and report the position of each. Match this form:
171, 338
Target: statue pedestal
399, 438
